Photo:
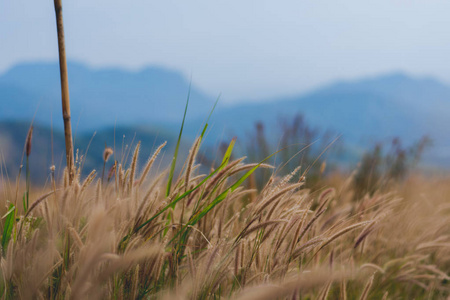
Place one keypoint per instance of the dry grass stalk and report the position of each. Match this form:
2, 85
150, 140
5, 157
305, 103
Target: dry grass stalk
343, 290
262, 225
271, 199
366, 290
64, 90
254, 250
88, 180
326, 290
190, 162
342, 232
372, 266
150, 162
133, 166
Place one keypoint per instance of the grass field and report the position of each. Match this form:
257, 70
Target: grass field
139, 234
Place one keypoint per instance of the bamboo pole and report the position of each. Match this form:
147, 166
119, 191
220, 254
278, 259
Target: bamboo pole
64, 89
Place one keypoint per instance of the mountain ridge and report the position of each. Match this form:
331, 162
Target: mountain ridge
156, 94
363, 111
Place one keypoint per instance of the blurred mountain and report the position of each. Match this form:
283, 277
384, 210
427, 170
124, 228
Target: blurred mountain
101, 97
47, 151
363, 111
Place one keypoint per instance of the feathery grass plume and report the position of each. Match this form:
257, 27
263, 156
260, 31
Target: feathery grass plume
65, 178
332, 259
119, 179
372, 266
133, 166
285, 229
190, 162
442, 275
325, 197
313, 219
366, 290
214, 180
88, 180
304, 282
364, 233
125, 186
27, 152
262, 225
76, 237
275, 206
326, 290
222, 247
150, 162
431, 245
269, 201
286, 179
37, 202
52, 172
306, 246
106, 154
342, 232
28, 141
98, 192
112, 171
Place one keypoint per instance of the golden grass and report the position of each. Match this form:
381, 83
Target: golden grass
124, 239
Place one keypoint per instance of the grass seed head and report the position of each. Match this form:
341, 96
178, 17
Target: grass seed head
28, 141
107, 153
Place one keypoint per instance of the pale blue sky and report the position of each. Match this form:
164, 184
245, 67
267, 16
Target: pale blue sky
244, 49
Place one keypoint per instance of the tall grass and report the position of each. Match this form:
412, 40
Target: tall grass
208, 238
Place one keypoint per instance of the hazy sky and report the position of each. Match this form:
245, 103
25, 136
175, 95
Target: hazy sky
244, 49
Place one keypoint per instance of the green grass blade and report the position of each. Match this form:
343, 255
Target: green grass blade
25, 201
177, 199
209, 117
225, 161
227, 155
8, 227
224, 194
175, 155
196, 217
11, 209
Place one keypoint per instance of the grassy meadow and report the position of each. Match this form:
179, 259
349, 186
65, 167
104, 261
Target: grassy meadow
282, 223
136, 230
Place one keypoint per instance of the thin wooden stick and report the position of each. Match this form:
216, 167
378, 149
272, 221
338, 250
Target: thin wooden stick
64, 89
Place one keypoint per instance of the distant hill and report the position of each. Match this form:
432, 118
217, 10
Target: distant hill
100, 97
13, 135
363, 111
